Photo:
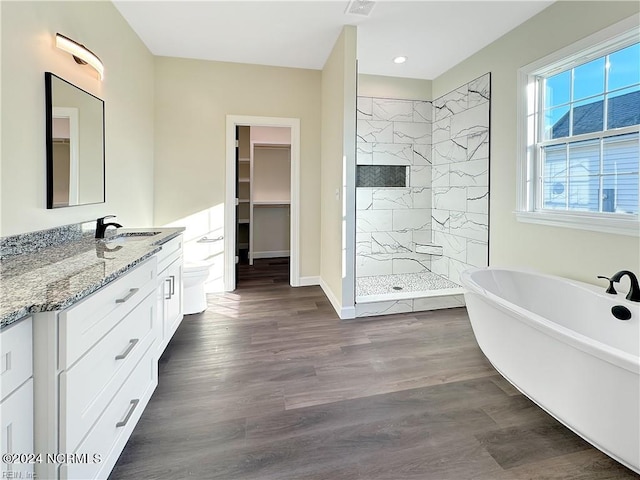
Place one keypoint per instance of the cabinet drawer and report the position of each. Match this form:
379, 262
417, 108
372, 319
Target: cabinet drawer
17, 355
88, 386
16, 422
82, 325
112, 430
169, 253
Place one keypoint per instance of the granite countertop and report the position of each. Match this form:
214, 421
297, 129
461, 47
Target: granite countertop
56, 277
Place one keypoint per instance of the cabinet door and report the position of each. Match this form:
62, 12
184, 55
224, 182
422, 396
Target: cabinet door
16, 419
173, 297
161, 293
169, 302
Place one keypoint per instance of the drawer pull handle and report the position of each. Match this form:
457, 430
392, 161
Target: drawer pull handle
132, 343
173, 284
134, 403
132, 292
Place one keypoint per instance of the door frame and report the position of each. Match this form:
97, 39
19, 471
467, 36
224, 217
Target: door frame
230, 194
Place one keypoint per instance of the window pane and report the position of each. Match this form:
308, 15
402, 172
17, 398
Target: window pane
554, 181
584, 180
556, 123
588, 116
588, 79
558, 89
624, 67
584, 193
623, 108
620, 194
620, 154
621, 165
601, 174
584, 158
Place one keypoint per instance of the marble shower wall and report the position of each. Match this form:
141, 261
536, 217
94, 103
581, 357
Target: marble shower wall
392, 222
460, 178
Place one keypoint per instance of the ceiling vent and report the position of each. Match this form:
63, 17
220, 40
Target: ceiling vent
360, 7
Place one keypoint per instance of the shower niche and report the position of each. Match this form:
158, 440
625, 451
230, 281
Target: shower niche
422, 198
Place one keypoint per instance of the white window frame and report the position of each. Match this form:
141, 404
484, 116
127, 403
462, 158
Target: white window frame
610, 39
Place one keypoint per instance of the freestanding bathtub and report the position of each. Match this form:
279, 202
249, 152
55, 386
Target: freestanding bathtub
557, 342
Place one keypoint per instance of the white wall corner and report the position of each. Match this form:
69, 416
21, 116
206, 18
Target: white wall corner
343, 313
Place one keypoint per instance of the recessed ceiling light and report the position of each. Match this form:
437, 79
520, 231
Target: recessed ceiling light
399, 59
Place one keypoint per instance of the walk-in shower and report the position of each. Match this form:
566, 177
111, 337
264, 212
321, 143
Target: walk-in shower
422, 193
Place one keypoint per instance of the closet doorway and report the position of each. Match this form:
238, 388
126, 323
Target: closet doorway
262, 193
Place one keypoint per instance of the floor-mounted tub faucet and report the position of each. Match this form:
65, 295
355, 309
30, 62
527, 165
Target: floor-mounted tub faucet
101, 227
634, 291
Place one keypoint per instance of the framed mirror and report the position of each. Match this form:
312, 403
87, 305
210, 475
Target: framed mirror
75, 145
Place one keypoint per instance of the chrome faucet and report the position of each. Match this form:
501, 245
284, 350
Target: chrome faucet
634, 290
101, 227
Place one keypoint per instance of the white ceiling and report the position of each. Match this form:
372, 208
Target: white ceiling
435, 35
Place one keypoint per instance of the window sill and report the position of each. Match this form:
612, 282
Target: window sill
616, 224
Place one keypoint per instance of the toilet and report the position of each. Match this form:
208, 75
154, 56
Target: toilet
194, 275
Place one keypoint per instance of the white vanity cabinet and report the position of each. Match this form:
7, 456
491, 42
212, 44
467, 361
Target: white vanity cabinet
16, 404
76, 381
95, 371
169, 293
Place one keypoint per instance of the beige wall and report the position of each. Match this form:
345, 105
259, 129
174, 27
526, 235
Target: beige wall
271, 174
394, 87
338, 166
572, 253
193, 98
28, 50
271, 231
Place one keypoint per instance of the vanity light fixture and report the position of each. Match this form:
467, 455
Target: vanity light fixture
81, 54
399, 60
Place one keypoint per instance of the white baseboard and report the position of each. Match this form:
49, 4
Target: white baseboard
348, 313
308, 281
332, 298
275, 254
343, 313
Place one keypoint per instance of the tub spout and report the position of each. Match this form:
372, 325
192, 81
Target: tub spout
634, 291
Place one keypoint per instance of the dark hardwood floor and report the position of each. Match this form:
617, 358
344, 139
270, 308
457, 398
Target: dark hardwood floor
270, 384
263, 272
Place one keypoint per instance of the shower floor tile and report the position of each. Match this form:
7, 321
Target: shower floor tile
406, 282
